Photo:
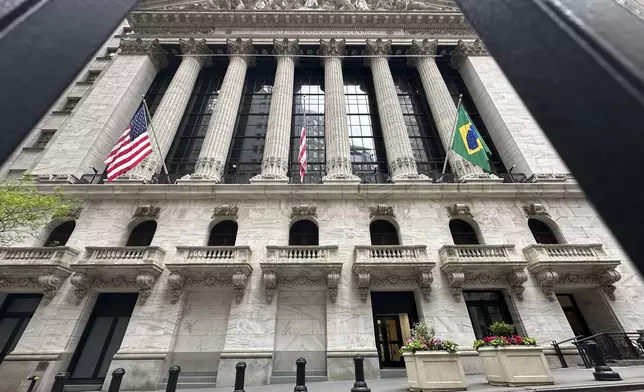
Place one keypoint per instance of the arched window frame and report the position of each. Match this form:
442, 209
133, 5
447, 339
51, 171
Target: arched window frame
55, 225
295, 222
217, 222
390, 221
475, 228
556, 231
134, 224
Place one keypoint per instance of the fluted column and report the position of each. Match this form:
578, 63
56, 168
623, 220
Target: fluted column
402, 165
171, 108
336, 128
212, 158
440, 102
276, 146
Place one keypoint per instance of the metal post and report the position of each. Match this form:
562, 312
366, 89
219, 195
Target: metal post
173, 378
360, 385
117, 377
239, 376
59, 382
640, 341
300, 377
559, 354
602, 371
34, 380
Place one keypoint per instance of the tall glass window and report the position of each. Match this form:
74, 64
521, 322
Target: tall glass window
159, 86
308, 111
186, 146
247, 148
366, 144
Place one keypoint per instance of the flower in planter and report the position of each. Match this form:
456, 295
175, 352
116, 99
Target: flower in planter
424, 339
503, 334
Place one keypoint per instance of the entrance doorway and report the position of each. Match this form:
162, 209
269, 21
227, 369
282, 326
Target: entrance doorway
573, 314
15, 314
102, 337
394, 313
485, 308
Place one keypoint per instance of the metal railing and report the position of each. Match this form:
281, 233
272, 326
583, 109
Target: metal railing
614, 346
101, 178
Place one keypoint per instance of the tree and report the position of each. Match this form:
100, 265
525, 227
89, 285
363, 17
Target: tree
24, 210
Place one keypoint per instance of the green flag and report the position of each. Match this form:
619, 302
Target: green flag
468, 142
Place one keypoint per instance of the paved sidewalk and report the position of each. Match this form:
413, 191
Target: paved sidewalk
564, 379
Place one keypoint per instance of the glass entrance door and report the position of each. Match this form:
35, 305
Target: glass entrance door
102, 337
15, 314
573, 314
389, 340
485, 308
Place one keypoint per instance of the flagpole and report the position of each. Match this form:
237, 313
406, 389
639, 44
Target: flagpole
154, 137
451, 139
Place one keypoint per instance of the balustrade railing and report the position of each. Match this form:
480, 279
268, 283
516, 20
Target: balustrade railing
480, 253
213, 253
124, 253
62, 253
312, 253
401, 252
542, 252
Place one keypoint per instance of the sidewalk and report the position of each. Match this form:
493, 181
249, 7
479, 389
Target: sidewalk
564, 379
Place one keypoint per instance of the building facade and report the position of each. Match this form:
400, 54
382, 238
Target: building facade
227, 257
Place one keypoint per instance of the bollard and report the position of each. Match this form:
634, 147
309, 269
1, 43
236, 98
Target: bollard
117, 377
300, 376
239, 376
602, 371
59, 382
34, 380
173, 377
360, 385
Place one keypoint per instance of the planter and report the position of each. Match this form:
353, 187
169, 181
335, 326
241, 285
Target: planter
515, 366
434, 371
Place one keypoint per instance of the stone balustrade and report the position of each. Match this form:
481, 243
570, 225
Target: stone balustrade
477, 253
312, 253
124, 253
213, 253
62, 254
393, 252
565, 252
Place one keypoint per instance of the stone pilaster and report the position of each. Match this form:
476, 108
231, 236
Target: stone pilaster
336, 129
276, 147
402, 165
440, 102
171, 108
212, 158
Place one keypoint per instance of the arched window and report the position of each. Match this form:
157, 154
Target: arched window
142, 234
463, 233
383, 233
61, 233
303, 232
542, 233
223, 234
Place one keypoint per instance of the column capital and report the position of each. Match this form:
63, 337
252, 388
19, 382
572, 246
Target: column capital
286, 47
333, 47
192, 46
243, 49
463, 50
151, 48
377, 48
421, 48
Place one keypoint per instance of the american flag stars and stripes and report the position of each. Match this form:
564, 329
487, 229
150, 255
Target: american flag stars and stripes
302, 155
132, 147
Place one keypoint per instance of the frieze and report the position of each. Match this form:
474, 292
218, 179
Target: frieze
304, 211
48, 283
459, 210
226, 211
147, 211
83, 283
381, 210
313, 5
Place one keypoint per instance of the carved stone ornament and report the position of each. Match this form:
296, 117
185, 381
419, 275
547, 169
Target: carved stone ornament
287, 47
377, 49
179, 282
270, 285
547, 280
243, 49
332, 280
381, 210
304, 211
463, 50
147, 211
456, 280
364, 280
226, 211
333, 47
139, 47
327, 5
48, 283
535, 210
196, 48
459, 210
423, 280
515, 279
421, 49
83, 283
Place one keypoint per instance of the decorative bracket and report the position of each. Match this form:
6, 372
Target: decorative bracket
304, 211
144, 283
270, 285
425, 281
535, 210
147, 211
606, 279
456, 280
239, 285
364, 280
547, 280
50, 284
332, 280
516, 279
459, 210
177, 283
82, 282
381, 210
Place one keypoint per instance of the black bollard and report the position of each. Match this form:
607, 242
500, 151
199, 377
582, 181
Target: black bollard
59, 382
360, 385
239, 376
117, 377
34, 380
602, 372
300, 376
173, 378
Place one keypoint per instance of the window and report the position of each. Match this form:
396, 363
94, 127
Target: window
91, 76
303, 233
463, 233
308, 111
44, 138
223, 234
383, 233
15, 314
186, 146
61, 233
485, 308
247, 146
70, 104
542, 233
366, 144
142, 234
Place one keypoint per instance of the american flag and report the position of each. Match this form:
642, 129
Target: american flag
302, 156
131, 148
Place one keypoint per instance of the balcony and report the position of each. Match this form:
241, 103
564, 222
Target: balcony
572, 265
292, 266
118, 267
482, 265
36, 268
196, 266
393, 265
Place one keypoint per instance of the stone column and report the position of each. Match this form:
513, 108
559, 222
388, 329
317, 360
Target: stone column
440, 103
402, 165
276, 146
212, 158
171, 108
336, 129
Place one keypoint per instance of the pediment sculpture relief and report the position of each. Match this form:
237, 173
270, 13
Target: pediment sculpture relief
324, 5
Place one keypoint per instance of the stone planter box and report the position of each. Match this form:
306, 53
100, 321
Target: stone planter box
434, 371
515, 366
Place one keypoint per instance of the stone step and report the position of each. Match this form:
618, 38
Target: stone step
192, 380
211, 379
82, 387
393, 373
188, 385
291, 379
280, 373
617, 387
